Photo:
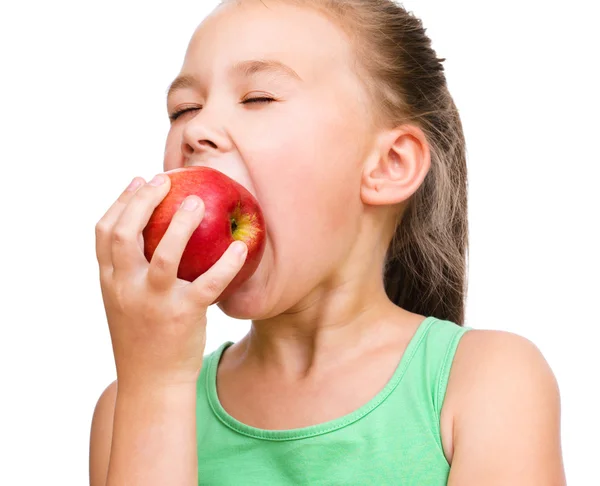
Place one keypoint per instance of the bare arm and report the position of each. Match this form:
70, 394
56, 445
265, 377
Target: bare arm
152, 437
508, 428
101, 435
144, 427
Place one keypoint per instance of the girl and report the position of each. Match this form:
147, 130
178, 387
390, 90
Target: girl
358, 369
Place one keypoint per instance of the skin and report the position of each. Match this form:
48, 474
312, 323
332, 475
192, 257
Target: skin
325, 338
338, 196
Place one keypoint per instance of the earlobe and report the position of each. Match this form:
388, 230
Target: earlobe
397, 168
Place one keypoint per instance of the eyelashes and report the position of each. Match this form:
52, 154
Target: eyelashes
263, 99
260, 100
177, 114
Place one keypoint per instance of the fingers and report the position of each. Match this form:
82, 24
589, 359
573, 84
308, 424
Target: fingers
118, 238
208, 286
125, 250
105, 225
167, 256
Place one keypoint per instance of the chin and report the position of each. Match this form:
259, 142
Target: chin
249, 300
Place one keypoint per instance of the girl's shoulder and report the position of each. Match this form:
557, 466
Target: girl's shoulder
501, 392
488, 363
485, 354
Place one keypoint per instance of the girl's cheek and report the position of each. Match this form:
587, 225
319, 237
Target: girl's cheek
172, 156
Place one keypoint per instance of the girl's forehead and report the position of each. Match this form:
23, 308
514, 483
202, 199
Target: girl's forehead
300, 38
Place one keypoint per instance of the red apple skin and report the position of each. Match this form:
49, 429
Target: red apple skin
228, 205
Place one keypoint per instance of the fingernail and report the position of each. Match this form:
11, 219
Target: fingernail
157, 180
190, 203
240, 248
135, 183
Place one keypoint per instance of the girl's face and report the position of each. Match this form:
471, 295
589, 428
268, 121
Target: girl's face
299, 155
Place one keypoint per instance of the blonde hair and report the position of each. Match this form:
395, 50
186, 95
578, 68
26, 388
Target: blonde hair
425, 269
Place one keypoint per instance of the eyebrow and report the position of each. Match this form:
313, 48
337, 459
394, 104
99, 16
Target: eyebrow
242, 68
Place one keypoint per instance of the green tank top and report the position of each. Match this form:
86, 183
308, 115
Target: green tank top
394, 439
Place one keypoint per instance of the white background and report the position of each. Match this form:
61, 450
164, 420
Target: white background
82, 107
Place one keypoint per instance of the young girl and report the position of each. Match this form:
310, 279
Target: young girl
357, 369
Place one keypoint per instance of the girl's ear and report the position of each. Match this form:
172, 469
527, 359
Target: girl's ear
397, 167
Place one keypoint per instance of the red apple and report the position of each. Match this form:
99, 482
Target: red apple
231, 213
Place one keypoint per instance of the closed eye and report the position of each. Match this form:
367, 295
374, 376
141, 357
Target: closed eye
177, 114
263, 99
258, 100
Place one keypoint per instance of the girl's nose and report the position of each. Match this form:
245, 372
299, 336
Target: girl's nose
204, 134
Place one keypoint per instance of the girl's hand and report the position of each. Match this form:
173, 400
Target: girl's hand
157, 322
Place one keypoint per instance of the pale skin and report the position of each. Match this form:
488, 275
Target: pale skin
324, 338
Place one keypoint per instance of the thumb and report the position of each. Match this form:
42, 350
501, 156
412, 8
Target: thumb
209, 286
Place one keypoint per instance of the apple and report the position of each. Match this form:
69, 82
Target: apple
231, 213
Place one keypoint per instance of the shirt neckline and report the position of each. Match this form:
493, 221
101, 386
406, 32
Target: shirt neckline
317, 429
